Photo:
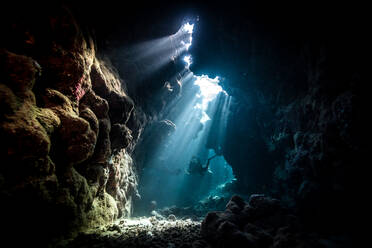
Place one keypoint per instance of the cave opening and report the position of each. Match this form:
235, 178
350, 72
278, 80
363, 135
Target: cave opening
187, 167
144, 125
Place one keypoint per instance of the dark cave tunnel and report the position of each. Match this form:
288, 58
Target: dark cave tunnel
171, 124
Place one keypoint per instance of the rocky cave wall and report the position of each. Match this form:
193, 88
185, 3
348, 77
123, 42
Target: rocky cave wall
294, 130
65, 141
295, 75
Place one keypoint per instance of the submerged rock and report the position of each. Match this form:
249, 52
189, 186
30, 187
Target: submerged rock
171, 217
262, 222
61, 169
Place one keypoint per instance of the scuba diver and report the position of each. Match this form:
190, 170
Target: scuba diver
195, 166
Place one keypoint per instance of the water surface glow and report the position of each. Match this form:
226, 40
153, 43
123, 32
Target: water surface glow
188, 61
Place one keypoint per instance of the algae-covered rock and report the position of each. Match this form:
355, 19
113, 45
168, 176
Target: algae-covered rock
107, 85
58, 171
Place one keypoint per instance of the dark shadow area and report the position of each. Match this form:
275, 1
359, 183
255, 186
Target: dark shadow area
255, 141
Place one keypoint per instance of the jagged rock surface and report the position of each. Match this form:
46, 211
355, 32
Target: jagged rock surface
262, 222
295, 118
63, 121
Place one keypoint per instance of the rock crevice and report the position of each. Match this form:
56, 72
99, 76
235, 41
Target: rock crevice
64, 111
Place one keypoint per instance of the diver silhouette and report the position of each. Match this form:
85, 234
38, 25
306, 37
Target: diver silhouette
196, 167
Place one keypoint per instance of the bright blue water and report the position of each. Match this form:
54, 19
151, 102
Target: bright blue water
165, 178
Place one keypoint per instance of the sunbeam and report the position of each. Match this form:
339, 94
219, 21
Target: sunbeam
179, 124
168, 170
152, 55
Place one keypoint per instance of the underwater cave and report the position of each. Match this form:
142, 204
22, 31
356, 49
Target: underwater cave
173, 124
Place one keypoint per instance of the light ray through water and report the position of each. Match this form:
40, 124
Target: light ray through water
165, 180
199, 115
151, 56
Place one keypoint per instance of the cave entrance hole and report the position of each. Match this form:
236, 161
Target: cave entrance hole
199, 119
